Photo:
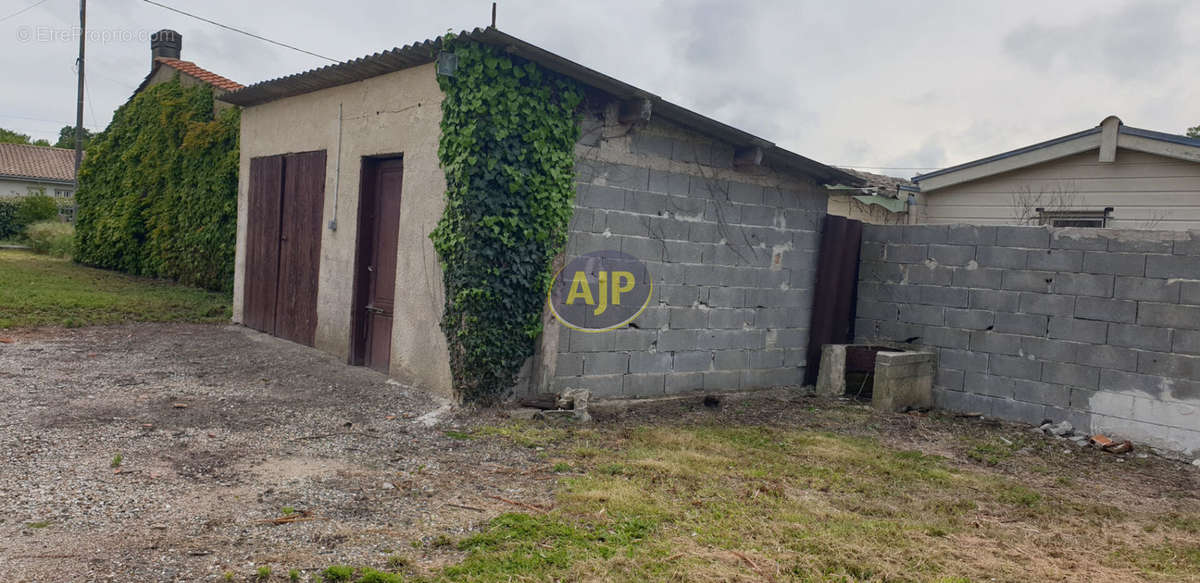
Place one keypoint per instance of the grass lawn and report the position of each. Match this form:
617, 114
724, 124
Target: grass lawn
37, 290
831, 501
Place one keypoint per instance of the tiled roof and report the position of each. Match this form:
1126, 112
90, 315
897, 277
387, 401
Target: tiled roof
43, 162
200, 73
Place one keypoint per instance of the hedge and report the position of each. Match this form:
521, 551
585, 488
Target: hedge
158, 189
18, 213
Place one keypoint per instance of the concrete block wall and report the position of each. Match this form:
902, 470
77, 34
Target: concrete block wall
1097, 327
733, 254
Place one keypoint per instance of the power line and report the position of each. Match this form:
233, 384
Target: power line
238, 30
24, 10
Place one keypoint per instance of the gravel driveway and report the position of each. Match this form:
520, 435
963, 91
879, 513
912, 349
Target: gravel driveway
220, 430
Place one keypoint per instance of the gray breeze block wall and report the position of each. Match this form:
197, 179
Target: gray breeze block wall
733, 255
1097, 327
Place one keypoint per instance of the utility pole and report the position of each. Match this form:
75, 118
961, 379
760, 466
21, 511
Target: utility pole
79, 90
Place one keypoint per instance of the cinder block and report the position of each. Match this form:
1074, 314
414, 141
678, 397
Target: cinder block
651, 145
730, 359
726, 297
985, 384
684, 382
730, 318
644, 249
1013, 410
994, 343
1016, 367
596, 196
1148, 289
625, 176
1104, 309
952, 254
602, 386
568, 365
652, 317
1082, 239
722, 212
669, 228
1041, 393
1029, 324
803, 278
1047, 304
1001, 257
1032, 281
771, 377
669, 182
978, 278
1055, 260
643, 385
692, 360
758, 215
998, 301
766, 359
1115, 263
1177, 366
743, 193
678, 295
971, 235
591, 342
904, 253
929, 274
964, 360
673, 340
1074, 375
1190, 293
883, 233
1083, 284
918, 314
1190, 245
1027, 237
1170, 414
1077, 330
937, 296
949, 378
925, 234
948, 399
646, 203
688, 318
1169, 315
634, 339
1082, 398
1140, 242
969, 319
704, 232
1186, 342
1105, 356
1054, 350
881, 272
724, 380
940, 337
647, 362
602, 363
1118, 382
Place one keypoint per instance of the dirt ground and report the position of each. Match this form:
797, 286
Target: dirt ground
220, 430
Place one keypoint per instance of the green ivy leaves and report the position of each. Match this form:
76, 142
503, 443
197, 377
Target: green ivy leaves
507, 150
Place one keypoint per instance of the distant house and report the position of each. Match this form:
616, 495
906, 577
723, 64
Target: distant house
881, 200
1109, 176
27, 170
166, 47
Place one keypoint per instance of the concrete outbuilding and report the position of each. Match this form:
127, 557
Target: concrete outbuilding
340, 175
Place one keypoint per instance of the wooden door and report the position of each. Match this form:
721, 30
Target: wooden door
378, 244
283, 244
300, 246
262, 243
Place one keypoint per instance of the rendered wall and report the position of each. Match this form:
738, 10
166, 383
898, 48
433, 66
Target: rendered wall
732, 252
1097, 327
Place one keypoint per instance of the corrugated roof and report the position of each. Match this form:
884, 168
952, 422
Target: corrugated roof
37, 163
881, 184
426, 52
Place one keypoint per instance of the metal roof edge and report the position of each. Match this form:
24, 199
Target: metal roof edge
29, 178
1009, 154
1160, 136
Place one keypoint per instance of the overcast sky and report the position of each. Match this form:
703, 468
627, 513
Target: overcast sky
898, 86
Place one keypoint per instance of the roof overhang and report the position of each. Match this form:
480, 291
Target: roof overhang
37, 179
426, 52
1110, 135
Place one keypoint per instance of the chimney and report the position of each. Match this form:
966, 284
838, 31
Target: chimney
165, 43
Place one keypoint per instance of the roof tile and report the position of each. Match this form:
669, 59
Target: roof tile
43, 162
201, 73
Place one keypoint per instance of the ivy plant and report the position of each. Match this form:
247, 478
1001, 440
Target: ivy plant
509, 129
158, 189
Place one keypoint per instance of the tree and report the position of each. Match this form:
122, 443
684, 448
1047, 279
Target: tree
1194, 132
11, 137
66, 137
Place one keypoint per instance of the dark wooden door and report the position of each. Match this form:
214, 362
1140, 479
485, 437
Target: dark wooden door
283, 244
300, 246
378, 243
262, 243
836, 289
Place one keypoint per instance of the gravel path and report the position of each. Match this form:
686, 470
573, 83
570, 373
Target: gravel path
219, 429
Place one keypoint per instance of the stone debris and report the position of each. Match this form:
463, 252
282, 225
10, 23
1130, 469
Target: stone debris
1062, 429
1065, 431
1196, 462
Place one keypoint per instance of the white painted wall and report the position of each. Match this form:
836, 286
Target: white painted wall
1146, 192
11, 188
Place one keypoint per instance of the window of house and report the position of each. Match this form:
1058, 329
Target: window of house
1074, 218
35, 191
62, 193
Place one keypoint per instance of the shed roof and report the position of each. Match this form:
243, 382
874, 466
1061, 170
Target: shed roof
426, 52
193, 70
42, 163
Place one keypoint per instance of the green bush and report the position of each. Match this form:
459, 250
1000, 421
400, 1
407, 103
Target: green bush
158, 189
35, 208
8, 218
51, 238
